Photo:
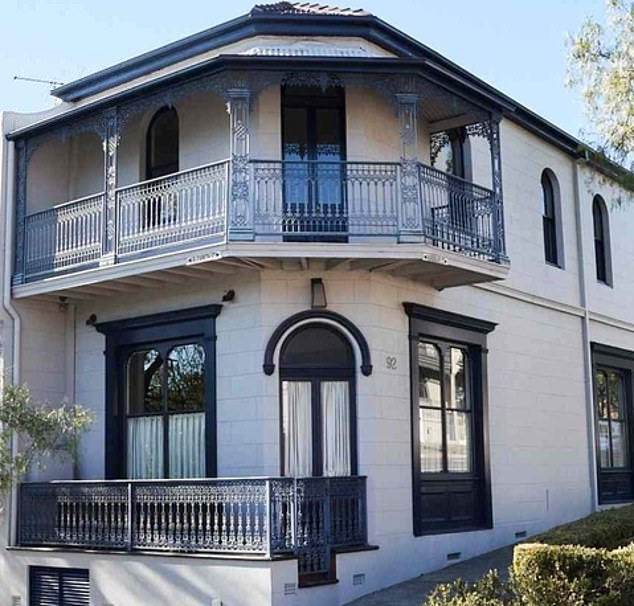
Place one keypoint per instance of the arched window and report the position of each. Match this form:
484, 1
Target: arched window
318, 402
162, 144
550, 220
601, 240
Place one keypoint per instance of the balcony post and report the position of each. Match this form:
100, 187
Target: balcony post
241, 220
410, 219
21, 159
109, 217
496, 180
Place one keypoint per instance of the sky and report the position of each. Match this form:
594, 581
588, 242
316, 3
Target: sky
517, 46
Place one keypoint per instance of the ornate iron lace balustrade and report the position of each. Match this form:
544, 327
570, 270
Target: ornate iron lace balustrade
65, 236
459, 215
290, 201
320, 198
259, 517
184, 207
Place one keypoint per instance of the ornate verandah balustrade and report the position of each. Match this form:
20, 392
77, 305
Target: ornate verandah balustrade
242, 198
290, 201
253, 517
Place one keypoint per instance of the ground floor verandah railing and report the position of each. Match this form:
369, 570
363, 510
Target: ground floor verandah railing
251, 517
287, 200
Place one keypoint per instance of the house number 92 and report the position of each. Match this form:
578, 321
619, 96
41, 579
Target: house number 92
390, 362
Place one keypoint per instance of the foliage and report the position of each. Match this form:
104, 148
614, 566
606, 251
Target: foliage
40, 431
589, 562
490, 590
552, 575
601, 65
609, 529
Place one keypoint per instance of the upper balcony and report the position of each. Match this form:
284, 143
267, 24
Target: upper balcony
262, 169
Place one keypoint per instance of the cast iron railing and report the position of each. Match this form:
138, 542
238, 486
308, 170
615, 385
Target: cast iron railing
287, 201
259, 517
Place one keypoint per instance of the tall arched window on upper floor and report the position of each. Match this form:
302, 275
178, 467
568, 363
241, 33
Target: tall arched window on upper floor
161, 156
551, 220
601, 226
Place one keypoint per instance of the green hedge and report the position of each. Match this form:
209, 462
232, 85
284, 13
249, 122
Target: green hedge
609, 529
554, 575
589, 562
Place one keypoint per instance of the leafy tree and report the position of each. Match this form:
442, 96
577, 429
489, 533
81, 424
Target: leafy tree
41, 432
601, 65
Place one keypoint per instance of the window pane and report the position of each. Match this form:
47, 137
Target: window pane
456, 379
620, 456
187, 445
458, 441
615, 393
186, 378
145, 447
145, 388
604, 444
430, 440
429, 391
602, 394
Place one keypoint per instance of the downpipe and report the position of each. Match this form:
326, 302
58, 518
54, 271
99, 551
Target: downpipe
8, 172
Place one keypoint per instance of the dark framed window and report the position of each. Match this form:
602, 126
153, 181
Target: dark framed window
162, 144
50, 586
550, 220
317, 395
601, 230
613, 370
160, 395
451, 488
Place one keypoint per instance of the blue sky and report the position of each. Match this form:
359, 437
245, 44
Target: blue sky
515, 45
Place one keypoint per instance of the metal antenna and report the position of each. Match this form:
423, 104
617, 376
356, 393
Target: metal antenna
52, 83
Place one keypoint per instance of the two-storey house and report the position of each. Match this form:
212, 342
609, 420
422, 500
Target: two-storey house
344, 314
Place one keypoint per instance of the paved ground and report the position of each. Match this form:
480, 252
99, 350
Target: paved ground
413, 592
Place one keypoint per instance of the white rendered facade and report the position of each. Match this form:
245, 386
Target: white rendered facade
538, 421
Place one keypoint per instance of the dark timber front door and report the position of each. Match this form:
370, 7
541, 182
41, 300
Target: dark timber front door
314, 152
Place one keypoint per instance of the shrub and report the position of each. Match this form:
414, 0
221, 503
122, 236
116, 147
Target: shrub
609, 529
490, 590
554, 575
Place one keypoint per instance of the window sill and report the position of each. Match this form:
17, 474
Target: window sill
461, 529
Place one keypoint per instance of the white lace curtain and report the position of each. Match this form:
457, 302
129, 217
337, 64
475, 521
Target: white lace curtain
297, 428
335, 415
186, 446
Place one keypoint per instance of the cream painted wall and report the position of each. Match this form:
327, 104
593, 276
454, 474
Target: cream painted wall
536, 411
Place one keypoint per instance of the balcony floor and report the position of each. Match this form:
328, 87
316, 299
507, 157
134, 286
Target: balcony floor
419, 262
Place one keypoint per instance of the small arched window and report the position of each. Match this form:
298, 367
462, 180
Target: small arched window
318, 403
162, 144
601, 240
550, 220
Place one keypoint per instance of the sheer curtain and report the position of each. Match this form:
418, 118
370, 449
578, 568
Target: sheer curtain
187, 445
145, 447
296, 427
335, 414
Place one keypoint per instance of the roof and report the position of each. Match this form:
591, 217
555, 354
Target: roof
303, 19
305, 8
